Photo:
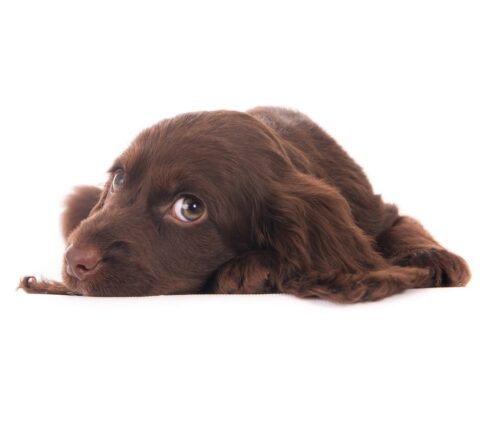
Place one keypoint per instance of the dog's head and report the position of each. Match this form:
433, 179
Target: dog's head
183, 199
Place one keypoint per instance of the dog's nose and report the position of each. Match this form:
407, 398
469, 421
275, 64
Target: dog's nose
81, 262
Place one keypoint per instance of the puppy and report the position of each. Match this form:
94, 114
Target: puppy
229, 202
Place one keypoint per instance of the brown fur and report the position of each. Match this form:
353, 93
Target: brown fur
287, 211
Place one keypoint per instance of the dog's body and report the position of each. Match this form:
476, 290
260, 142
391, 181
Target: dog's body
255, 202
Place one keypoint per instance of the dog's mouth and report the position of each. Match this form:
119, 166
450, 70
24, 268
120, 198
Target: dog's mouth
75, 285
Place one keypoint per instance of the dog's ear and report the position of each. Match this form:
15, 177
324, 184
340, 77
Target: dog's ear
78, 206
308, 223
317, 250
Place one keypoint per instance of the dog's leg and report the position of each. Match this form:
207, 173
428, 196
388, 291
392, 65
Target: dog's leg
407, 243
259, 272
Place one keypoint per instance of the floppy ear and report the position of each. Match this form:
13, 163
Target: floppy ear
78, 206
310, 224
309, 245
322, 252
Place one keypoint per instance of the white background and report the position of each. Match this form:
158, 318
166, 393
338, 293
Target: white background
396, 83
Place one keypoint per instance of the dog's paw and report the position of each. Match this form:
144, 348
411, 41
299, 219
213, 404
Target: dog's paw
446, 269
32, 285
246, 274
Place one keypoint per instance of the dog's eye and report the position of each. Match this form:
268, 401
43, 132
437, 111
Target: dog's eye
118, 181
188, 209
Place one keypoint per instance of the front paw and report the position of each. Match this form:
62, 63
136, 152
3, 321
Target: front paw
31, 285
28, 284
446, 268
245, 274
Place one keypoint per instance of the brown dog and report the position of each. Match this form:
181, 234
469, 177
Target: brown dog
230, 202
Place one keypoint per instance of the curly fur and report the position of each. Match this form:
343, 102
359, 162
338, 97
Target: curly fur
288, 211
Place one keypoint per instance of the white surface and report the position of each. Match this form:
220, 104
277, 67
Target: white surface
397, 86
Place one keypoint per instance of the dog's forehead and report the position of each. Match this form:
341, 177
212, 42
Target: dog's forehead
200, 142
193, 150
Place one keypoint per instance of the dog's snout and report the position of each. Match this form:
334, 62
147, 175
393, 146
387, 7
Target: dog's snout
82, 262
